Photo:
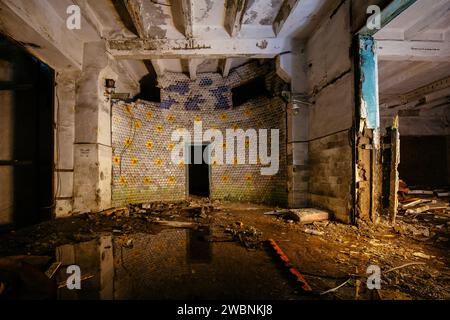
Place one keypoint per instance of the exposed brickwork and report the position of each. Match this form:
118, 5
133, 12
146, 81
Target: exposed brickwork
330, 160
142, 166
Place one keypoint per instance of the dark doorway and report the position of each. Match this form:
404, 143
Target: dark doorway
26, 131
424, 161
198, 173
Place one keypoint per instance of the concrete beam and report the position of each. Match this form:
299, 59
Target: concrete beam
134, 10
187, 49
283, 66
435, 12
193, 65
413, 50
188, 18
226, 66
285, 11
158, 66
43, 32
234, 12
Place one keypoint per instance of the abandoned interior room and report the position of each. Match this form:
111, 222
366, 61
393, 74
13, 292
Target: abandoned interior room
221, 149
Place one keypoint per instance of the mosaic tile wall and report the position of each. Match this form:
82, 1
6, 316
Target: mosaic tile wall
142, 146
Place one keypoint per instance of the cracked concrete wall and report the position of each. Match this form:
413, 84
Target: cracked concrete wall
298, 129
331, 117
331, 88
92, 151
65, 102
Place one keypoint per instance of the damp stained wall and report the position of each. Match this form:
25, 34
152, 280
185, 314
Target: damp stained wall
143, 170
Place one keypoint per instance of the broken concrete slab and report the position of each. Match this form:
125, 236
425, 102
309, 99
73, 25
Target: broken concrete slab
310, 215
304, 216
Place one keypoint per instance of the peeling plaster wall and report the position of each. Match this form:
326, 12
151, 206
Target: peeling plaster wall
142, 166
92, 150
331, 117
65, 102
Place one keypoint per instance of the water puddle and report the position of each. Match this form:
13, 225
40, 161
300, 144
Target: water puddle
173, 264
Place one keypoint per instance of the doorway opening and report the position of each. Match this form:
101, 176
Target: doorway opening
26, 130
198, 172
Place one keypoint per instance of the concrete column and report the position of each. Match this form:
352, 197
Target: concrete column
93, 153
298, 131
65, 100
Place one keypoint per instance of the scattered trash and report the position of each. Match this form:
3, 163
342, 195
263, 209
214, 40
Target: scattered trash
414, 203
420, 192
314, 232
404, 266
249, 237
421, 255
336, 289
178, 224
303, 216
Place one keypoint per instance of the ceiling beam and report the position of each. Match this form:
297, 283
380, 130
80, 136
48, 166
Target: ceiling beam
158, 66
193, 65
412, 50
390, 81
188, 17
134, 11
286, 9
43, 32
435, 13
187, 49
234, 13
226, 66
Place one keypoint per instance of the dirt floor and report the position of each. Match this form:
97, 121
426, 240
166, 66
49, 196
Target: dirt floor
219, 250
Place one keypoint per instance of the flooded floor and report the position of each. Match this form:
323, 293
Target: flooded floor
219, 250
174, 264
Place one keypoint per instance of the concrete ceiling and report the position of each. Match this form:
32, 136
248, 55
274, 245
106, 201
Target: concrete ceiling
175, 35
414, 49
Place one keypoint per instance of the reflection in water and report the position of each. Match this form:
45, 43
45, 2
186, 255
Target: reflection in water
174, 264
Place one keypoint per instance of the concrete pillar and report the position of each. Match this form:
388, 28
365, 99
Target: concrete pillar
93, 153
65, 100
298, 130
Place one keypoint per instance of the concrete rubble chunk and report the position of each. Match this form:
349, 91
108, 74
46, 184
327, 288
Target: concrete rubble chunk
304, 216
310, 215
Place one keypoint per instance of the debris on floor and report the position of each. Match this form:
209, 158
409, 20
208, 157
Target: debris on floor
328, 252
302, 216
248, 236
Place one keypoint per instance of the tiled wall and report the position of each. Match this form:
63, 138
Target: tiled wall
142, 146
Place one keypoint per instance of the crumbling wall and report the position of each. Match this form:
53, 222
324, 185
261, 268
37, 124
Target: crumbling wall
142, 166
331, 88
